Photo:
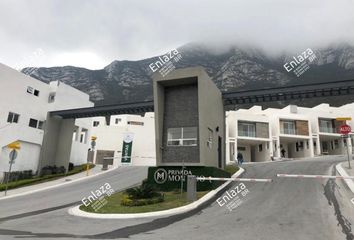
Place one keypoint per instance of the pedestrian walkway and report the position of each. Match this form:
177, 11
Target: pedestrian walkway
344, 170
94, 171
345, 166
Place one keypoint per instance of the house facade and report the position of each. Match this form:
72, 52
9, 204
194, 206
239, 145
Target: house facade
110, 135
295, 132
24, 106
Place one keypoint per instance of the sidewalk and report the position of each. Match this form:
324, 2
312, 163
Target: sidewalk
50, 184
343, 169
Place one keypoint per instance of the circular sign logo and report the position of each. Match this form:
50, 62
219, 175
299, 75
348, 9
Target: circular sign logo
160, 176
345, 129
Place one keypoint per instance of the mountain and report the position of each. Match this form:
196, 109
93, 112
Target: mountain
234, 68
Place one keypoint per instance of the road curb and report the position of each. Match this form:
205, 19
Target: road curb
75, 211
57, 185
343, 173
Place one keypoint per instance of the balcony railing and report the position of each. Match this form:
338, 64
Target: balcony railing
242, 133
328, 130
289, 131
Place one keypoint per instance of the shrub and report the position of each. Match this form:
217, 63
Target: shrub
126, 201
142, 195
71, 166
144, 191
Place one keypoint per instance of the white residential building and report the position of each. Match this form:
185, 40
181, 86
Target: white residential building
295, 132
24, 106
110, 138
249, 133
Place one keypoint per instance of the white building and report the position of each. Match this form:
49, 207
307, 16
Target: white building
249, 133
24, 106
295, 132
110, 138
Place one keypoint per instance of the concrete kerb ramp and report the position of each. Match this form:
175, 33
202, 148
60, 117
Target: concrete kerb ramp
75, 211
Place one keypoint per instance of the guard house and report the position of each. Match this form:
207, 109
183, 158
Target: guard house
189, 119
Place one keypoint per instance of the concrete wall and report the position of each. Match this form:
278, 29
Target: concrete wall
246, 153
264, 155
181, 110
27, 158
212, 118
305, 152
111, 138
18, 97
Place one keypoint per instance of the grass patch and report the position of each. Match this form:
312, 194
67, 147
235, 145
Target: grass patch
47, 178
231, 169
172, 200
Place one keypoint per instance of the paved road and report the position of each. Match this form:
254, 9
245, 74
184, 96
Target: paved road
285, 209
58, 197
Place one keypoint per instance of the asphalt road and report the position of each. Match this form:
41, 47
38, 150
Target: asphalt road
284, 209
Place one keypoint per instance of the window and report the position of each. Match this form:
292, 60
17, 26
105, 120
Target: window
241, 148
75, 135
336, 144
307, 145
267, 145
186, 136
135, 123
118, 120
13, 117
299, 146
260, 147
326, 126
40, 124
33, 91
246, 129
96, 123
51, 97
30, 90
33, 123
288, 127
210, 138
83, 136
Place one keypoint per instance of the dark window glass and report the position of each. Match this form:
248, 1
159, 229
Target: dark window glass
33, 123
40, 124
10, 116
13, 117
36, 93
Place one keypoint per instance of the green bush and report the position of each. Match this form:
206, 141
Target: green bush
25, 182
127, 201
144, 191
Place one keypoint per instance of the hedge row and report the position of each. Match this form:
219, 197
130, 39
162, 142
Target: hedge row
24, 182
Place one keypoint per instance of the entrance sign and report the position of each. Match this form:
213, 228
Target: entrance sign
15, 145
345, 129
127, 148
343, 118
13, 156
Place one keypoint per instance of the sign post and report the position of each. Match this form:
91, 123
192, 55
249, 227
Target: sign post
91, 153
13, 155
127, 148
345, 130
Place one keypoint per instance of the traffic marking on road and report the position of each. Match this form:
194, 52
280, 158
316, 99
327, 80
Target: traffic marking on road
313, 176
235, 179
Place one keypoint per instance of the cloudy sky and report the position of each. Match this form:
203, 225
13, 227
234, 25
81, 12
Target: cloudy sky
93, 33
